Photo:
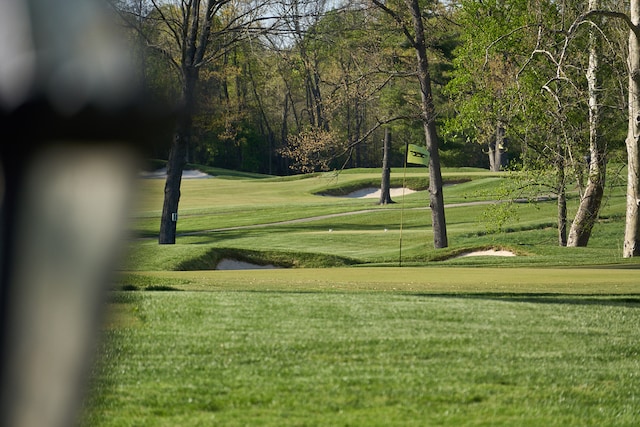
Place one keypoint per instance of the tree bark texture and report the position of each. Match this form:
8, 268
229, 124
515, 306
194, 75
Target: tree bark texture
591, 199
385, 185
178, 159
175, 166
438, 223
562, 217
632, 225
496, 148
562, 196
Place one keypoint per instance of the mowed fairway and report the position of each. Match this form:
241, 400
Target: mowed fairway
244, 358
550, 337
464, 280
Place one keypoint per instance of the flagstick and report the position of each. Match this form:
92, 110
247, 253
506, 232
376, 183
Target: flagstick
404, 183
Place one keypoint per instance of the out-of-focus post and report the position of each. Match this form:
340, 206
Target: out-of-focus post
72, 125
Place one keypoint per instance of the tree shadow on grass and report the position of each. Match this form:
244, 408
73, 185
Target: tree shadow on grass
632, 301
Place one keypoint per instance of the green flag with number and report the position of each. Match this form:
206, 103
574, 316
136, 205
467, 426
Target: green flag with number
417, 155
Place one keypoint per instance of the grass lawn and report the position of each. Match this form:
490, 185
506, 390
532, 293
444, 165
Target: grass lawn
287, 358
549, 337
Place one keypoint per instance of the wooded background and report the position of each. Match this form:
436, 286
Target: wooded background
297, 86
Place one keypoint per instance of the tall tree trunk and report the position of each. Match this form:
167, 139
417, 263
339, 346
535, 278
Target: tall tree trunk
175, 166
496, 148
385, 186
591, 199
438, 222
562, 195
177, 161
632, 225
562, 216
196, 29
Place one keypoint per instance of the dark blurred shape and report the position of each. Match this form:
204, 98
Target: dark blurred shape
73, 123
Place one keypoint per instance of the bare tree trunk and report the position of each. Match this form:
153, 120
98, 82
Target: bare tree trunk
418, 42
175, 166
196, 29
632, 225
496, 148
562, 197
562, 217
438, 222
192, 53
385, 186
591, 199
176, 163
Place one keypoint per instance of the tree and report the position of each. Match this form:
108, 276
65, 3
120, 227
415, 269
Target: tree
591, 198
484, 85
302, 23
632, 224
631, 246
385, 184
312, 150
415, 35
552, 124
189, 35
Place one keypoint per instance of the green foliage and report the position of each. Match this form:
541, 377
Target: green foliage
495, 41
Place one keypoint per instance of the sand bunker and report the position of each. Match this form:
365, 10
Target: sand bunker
232, 264
187, 174
489, 252
374, 193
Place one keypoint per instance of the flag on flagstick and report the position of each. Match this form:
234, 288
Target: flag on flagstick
417, 155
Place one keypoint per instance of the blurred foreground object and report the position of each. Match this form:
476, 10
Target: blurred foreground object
73, 123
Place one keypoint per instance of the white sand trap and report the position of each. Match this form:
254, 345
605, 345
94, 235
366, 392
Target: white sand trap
374, 193
232, 264
187, 174
490, 252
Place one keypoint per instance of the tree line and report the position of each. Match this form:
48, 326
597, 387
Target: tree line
295, 86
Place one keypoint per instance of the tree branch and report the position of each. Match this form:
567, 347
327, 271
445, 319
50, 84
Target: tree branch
398, 20
499, 39
608, 14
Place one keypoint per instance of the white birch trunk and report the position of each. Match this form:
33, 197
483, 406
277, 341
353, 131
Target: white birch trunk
632, 227
591, 198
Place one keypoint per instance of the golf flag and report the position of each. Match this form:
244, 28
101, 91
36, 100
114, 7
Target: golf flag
417, 155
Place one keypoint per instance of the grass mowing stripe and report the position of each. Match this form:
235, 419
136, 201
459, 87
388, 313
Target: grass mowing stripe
407, 279
367, 359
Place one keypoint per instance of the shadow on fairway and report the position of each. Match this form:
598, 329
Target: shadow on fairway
632, 301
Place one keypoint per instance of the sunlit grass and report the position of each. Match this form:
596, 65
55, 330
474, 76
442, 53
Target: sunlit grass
377, 328
369, 359
252, 214
424, 280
